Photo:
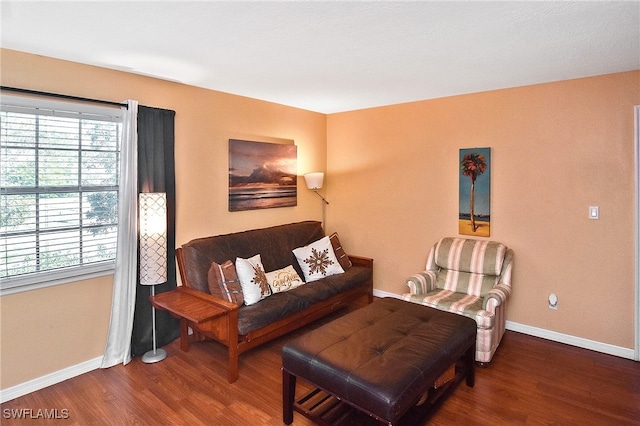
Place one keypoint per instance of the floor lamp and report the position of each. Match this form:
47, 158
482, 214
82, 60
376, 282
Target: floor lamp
314, 182
153, 254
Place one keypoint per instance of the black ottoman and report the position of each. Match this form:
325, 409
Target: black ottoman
382, 359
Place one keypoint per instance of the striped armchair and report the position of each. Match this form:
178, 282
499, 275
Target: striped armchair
471, 278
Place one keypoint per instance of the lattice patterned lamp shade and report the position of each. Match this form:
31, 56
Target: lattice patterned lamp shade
153, 238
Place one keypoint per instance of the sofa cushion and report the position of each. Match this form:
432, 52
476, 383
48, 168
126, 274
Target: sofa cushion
317, 260
284, 279
466, 255
281, 305
223, 282
252, 279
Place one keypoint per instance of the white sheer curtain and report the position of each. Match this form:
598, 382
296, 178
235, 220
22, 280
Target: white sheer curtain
118, 349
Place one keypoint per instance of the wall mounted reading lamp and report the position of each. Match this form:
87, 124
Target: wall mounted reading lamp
314, 182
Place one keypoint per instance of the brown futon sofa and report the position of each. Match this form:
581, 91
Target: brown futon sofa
244, 326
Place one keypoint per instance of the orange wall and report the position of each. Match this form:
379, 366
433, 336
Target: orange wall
205, 120
392, 184
556, 149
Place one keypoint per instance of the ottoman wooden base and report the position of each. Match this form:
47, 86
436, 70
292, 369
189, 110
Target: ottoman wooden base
325, 409
381, 360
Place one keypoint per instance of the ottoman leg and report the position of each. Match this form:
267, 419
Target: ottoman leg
470, 365
288, 396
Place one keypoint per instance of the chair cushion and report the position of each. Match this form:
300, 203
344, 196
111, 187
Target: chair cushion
459, 303
466, 255
465, 282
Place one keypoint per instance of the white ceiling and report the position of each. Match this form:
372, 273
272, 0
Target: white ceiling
335, 56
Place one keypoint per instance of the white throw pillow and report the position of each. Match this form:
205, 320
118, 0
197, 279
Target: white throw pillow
284, 279
252, 279
317, 260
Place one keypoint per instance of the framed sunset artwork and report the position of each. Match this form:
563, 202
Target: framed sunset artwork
262, 175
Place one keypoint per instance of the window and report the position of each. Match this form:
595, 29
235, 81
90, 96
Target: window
59, 165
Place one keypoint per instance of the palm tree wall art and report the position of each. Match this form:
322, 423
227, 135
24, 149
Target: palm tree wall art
475, 192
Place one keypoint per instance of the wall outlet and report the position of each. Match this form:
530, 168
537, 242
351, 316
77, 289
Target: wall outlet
553, 301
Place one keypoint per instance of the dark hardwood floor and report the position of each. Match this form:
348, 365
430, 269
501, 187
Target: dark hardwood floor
530, 381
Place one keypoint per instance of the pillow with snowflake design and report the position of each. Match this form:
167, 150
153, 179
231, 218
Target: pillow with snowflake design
253, 280
317, 260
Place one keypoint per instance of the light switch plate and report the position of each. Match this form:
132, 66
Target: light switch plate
594, 212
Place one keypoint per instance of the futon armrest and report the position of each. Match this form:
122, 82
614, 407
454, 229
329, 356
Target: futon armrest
422, 282
366, 262
496, 297
209, 298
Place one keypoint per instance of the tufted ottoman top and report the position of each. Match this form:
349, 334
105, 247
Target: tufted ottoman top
381, 357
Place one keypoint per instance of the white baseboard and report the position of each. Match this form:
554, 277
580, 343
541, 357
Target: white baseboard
49, 379
552, 335
380, 293
571, 340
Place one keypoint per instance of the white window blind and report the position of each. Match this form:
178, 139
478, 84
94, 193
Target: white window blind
59, 166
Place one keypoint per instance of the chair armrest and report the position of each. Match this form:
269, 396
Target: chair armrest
422, 282
507, 266
496, 297
499, 294
366, 262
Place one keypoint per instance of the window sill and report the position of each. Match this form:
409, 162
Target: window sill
52, 278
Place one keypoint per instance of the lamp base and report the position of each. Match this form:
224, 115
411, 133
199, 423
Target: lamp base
154, 356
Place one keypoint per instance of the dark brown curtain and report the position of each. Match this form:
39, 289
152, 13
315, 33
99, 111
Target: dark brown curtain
156, 173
